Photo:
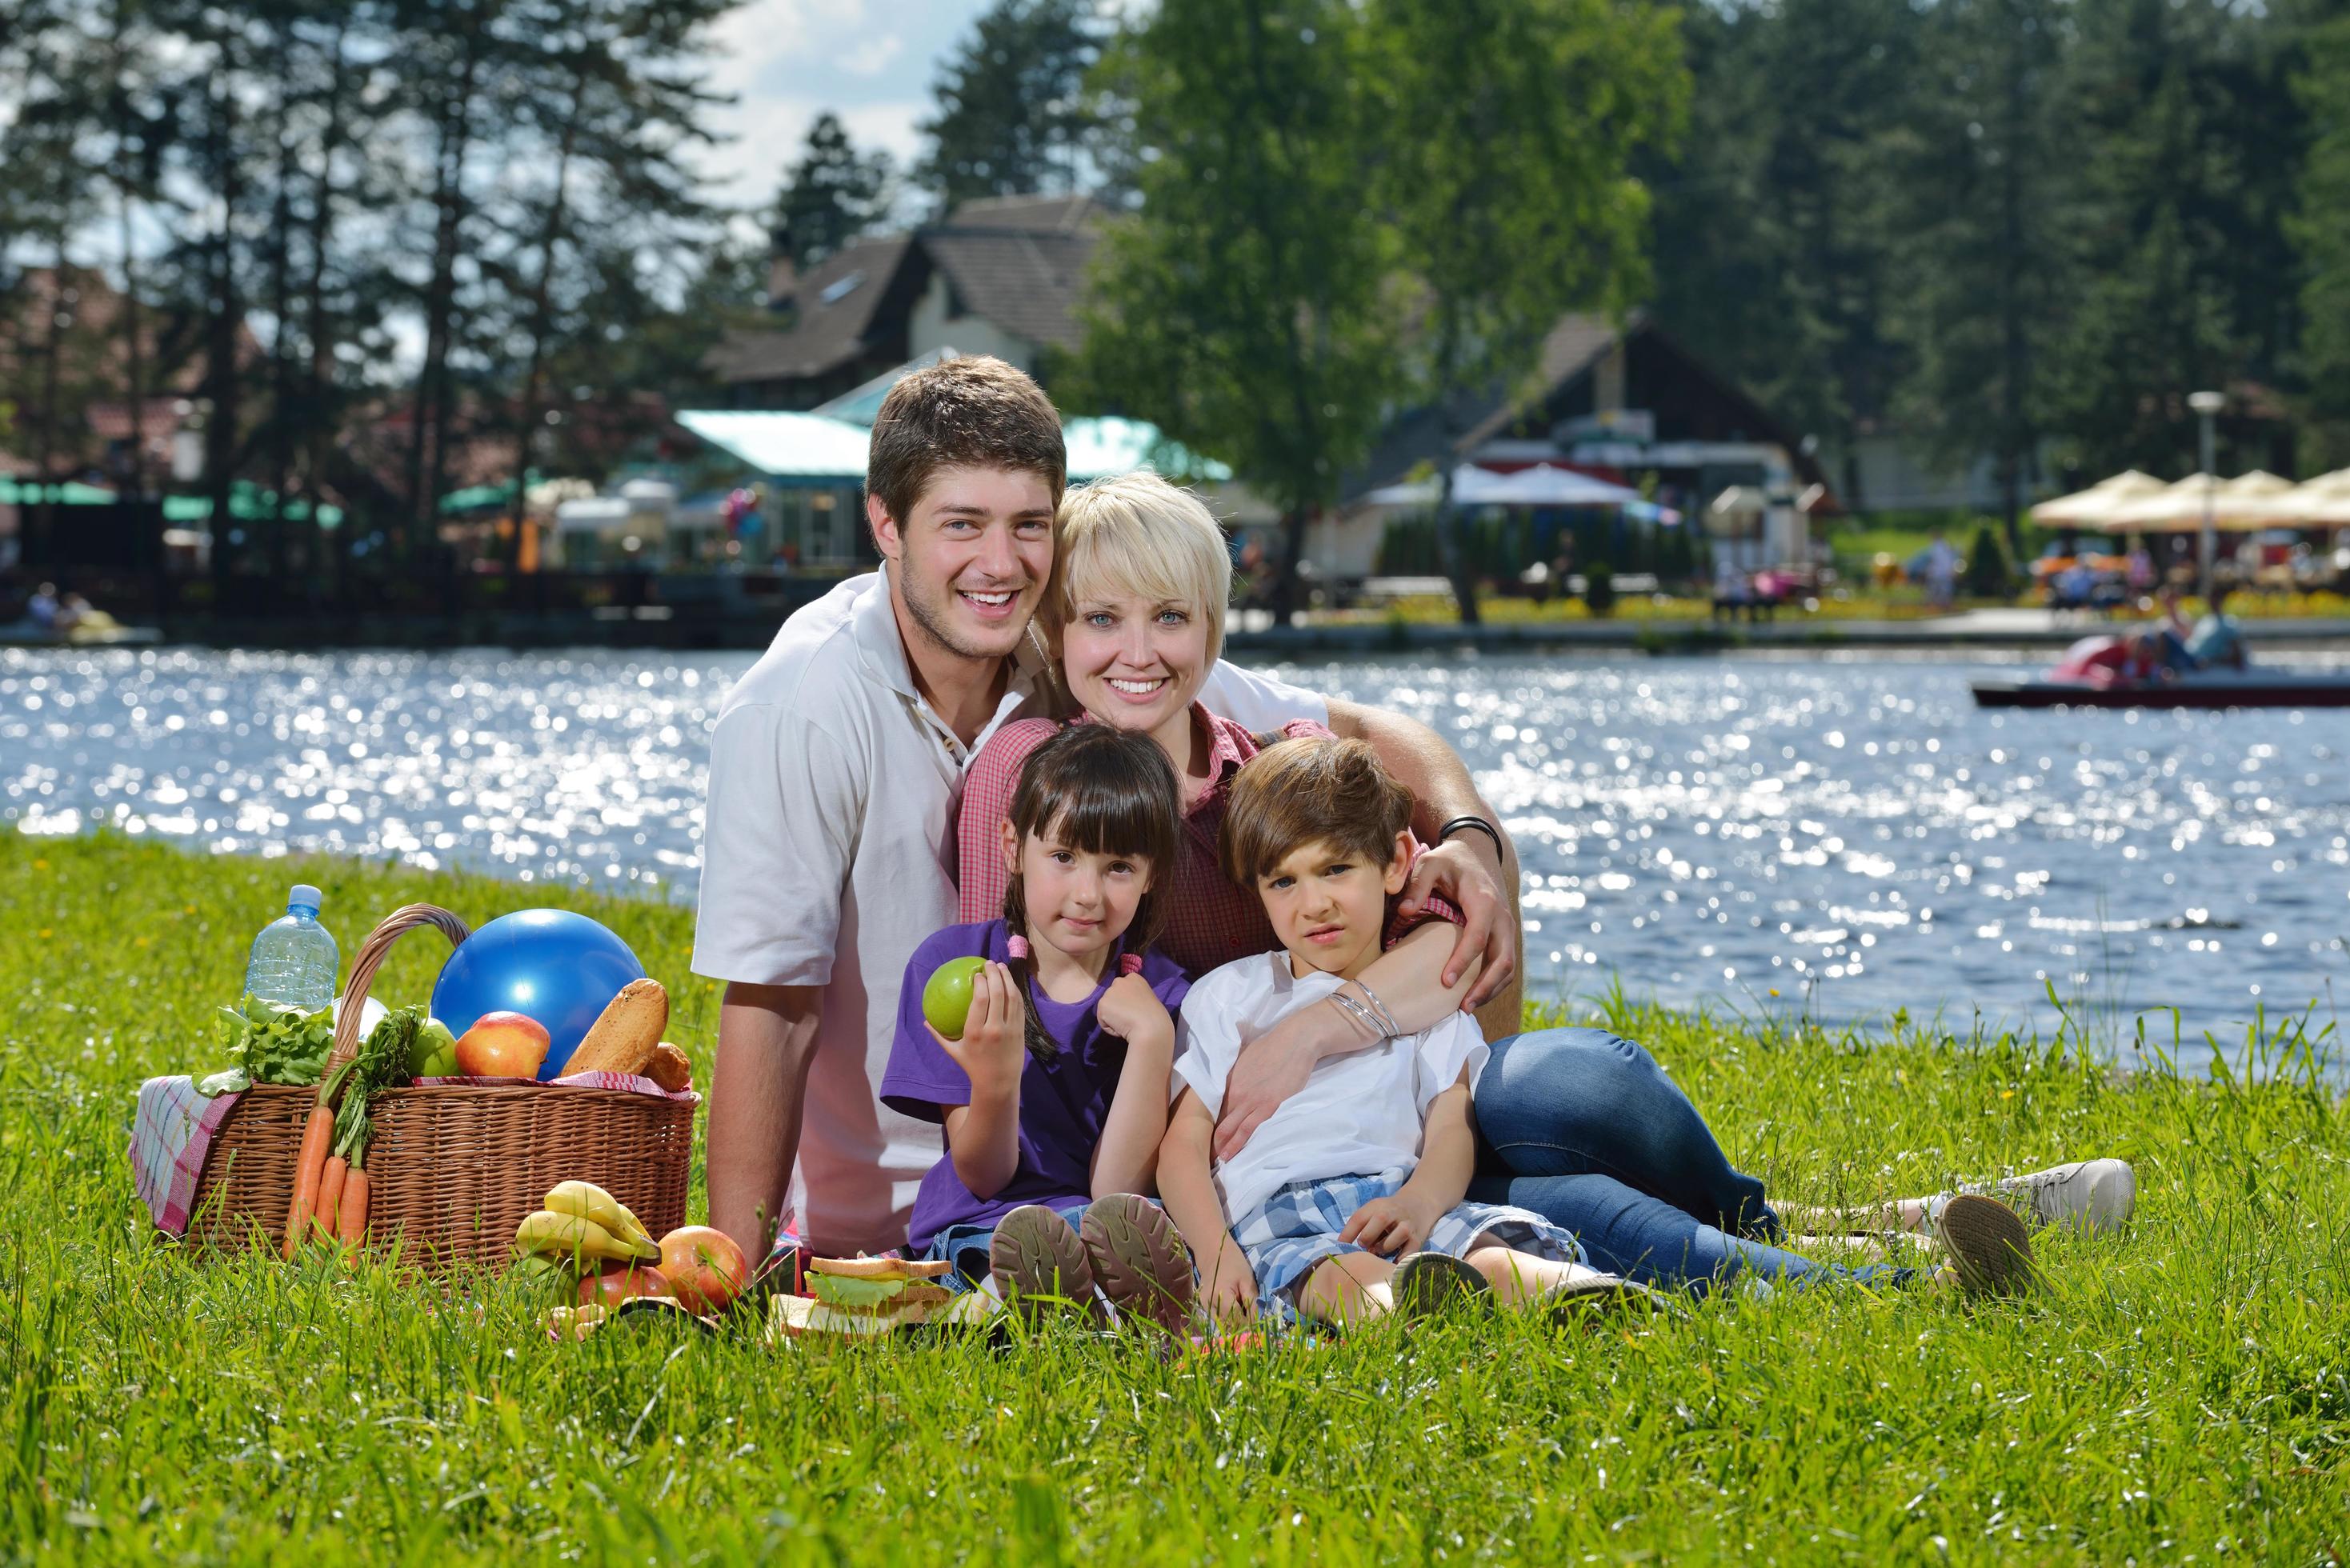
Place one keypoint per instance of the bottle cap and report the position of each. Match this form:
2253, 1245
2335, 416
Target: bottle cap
303, 896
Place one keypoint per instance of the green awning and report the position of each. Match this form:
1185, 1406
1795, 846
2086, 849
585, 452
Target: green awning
72, 492
249, 503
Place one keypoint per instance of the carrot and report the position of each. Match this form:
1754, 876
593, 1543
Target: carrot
331, 1194
352, 1217
309, 1169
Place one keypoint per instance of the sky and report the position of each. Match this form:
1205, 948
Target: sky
869, 61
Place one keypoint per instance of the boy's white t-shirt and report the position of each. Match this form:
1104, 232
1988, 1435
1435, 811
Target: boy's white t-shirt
1358, 1114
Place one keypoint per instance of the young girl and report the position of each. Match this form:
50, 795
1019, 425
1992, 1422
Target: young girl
1054, 1095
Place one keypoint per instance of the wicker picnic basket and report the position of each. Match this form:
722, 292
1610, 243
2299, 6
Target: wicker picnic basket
453, 1168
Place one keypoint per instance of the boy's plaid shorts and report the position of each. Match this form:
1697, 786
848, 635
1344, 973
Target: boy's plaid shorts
1299, 1227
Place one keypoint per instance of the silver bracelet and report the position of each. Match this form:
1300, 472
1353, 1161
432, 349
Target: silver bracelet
1355, 1011
1370, 1012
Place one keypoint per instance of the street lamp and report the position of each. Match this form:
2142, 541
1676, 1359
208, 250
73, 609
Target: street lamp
2208, 406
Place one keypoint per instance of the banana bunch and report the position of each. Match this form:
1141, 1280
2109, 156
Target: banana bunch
583, 1222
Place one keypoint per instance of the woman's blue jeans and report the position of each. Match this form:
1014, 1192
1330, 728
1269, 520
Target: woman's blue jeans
1584, 1127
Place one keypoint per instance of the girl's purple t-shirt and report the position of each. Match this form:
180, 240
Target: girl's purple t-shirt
1062, 1102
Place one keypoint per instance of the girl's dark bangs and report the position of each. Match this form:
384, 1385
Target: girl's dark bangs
1094, 802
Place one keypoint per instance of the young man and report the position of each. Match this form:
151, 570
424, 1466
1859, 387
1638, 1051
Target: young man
828, 847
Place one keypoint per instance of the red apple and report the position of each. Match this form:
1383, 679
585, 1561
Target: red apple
708, 1270
623, 1282
502, 1045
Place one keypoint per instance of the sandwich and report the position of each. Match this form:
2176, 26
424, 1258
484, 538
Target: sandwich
866, 1295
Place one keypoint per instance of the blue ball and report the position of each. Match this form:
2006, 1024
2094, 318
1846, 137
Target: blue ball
552, 965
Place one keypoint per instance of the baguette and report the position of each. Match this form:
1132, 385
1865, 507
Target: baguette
627, 1034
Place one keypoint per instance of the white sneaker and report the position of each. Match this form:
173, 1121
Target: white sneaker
2090, 1195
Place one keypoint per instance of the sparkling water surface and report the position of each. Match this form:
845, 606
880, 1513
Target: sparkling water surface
1849, 835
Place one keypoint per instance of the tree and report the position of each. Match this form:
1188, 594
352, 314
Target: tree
1976, 174
1773, 245
2184, 271
1014, 115
832, 195
2321, 230
1248, 309
1509, 128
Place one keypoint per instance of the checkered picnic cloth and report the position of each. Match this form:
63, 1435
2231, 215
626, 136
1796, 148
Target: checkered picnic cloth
173, 1128
1299, 1227
1210, 919
170, 1136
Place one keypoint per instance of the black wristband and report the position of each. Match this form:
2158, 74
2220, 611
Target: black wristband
1482, 825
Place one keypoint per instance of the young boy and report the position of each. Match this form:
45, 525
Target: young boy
1347, 1202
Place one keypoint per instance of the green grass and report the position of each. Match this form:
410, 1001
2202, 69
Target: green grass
2182, 1393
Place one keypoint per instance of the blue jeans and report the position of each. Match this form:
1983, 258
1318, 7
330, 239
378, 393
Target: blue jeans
1583, 1127
966, 1247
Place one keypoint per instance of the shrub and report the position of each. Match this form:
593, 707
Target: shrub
1988, 575
1598, 588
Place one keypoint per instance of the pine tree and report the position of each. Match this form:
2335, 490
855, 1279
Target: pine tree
1976, 178
2175, 228
832, 194
1014, 114
2321, 230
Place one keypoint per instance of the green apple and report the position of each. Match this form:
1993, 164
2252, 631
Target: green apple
946, 1000
433, 1052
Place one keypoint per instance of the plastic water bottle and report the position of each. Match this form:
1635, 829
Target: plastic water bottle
294, 958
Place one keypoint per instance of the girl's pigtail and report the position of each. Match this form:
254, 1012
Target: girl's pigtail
1022, 965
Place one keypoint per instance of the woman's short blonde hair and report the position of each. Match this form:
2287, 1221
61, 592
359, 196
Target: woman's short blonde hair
1138, 534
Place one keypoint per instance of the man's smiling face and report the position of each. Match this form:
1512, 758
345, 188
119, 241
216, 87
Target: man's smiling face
969, 564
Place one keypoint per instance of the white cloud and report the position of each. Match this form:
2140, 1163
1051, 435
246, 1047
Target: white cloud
869, 58
787, 61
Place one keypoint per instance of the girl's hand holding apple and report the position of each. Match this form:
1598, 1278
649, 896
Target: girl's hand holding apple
992, 1048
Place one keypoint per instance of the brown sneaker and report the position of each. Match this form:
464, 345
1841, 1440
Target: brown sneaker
1038, 1263
1138, 1260
1988, 1245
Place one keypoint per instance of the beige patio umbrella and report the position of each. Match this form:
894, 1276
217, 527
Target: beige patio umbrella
2090, 506
2180, 508
2323, 500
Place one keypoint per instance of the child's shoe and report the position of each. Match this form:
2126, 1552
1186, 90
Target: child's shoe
1138, 1260
1426, 1282
1037, 1262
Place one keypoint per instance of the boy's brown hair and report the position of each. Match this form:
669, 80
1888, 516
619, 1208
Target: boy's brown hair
973, 411
1312, 788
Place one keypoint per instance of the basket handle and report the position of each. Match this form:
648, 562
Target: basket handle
396, 924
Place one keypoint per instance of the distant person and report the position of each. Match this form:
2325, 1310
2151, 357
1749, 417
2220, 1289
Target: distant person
2138, 571
1937, 566
73, 611
2217, 642
43, 609
1730, 591
2160, 651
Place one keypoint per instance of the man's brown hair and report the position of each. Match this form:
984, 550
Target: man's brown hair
975, 411
1312, 788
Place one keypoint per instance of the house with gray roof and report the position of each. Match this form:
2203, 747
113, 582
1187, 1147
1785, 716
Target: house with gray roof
996, 276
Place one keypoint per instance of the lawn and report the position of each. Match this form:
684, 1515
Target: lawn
2178, 1394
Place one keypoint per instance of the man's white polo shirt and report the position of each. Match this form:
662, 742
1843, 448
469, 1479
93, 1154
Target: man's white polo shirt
828, 855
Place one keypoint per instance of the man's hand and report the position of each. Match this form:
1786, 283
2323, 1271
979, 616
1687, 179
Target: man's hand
1467, 871
1390, 1226
1227, 1285
994, 1043
1269, 1069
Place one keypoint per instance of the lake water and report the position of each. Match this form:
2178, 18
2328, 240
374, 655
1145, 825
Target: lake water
1849, 835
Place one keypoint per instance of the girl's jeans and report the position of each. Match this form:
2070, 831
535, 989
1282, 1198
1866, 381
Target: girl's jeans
1583, 1127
